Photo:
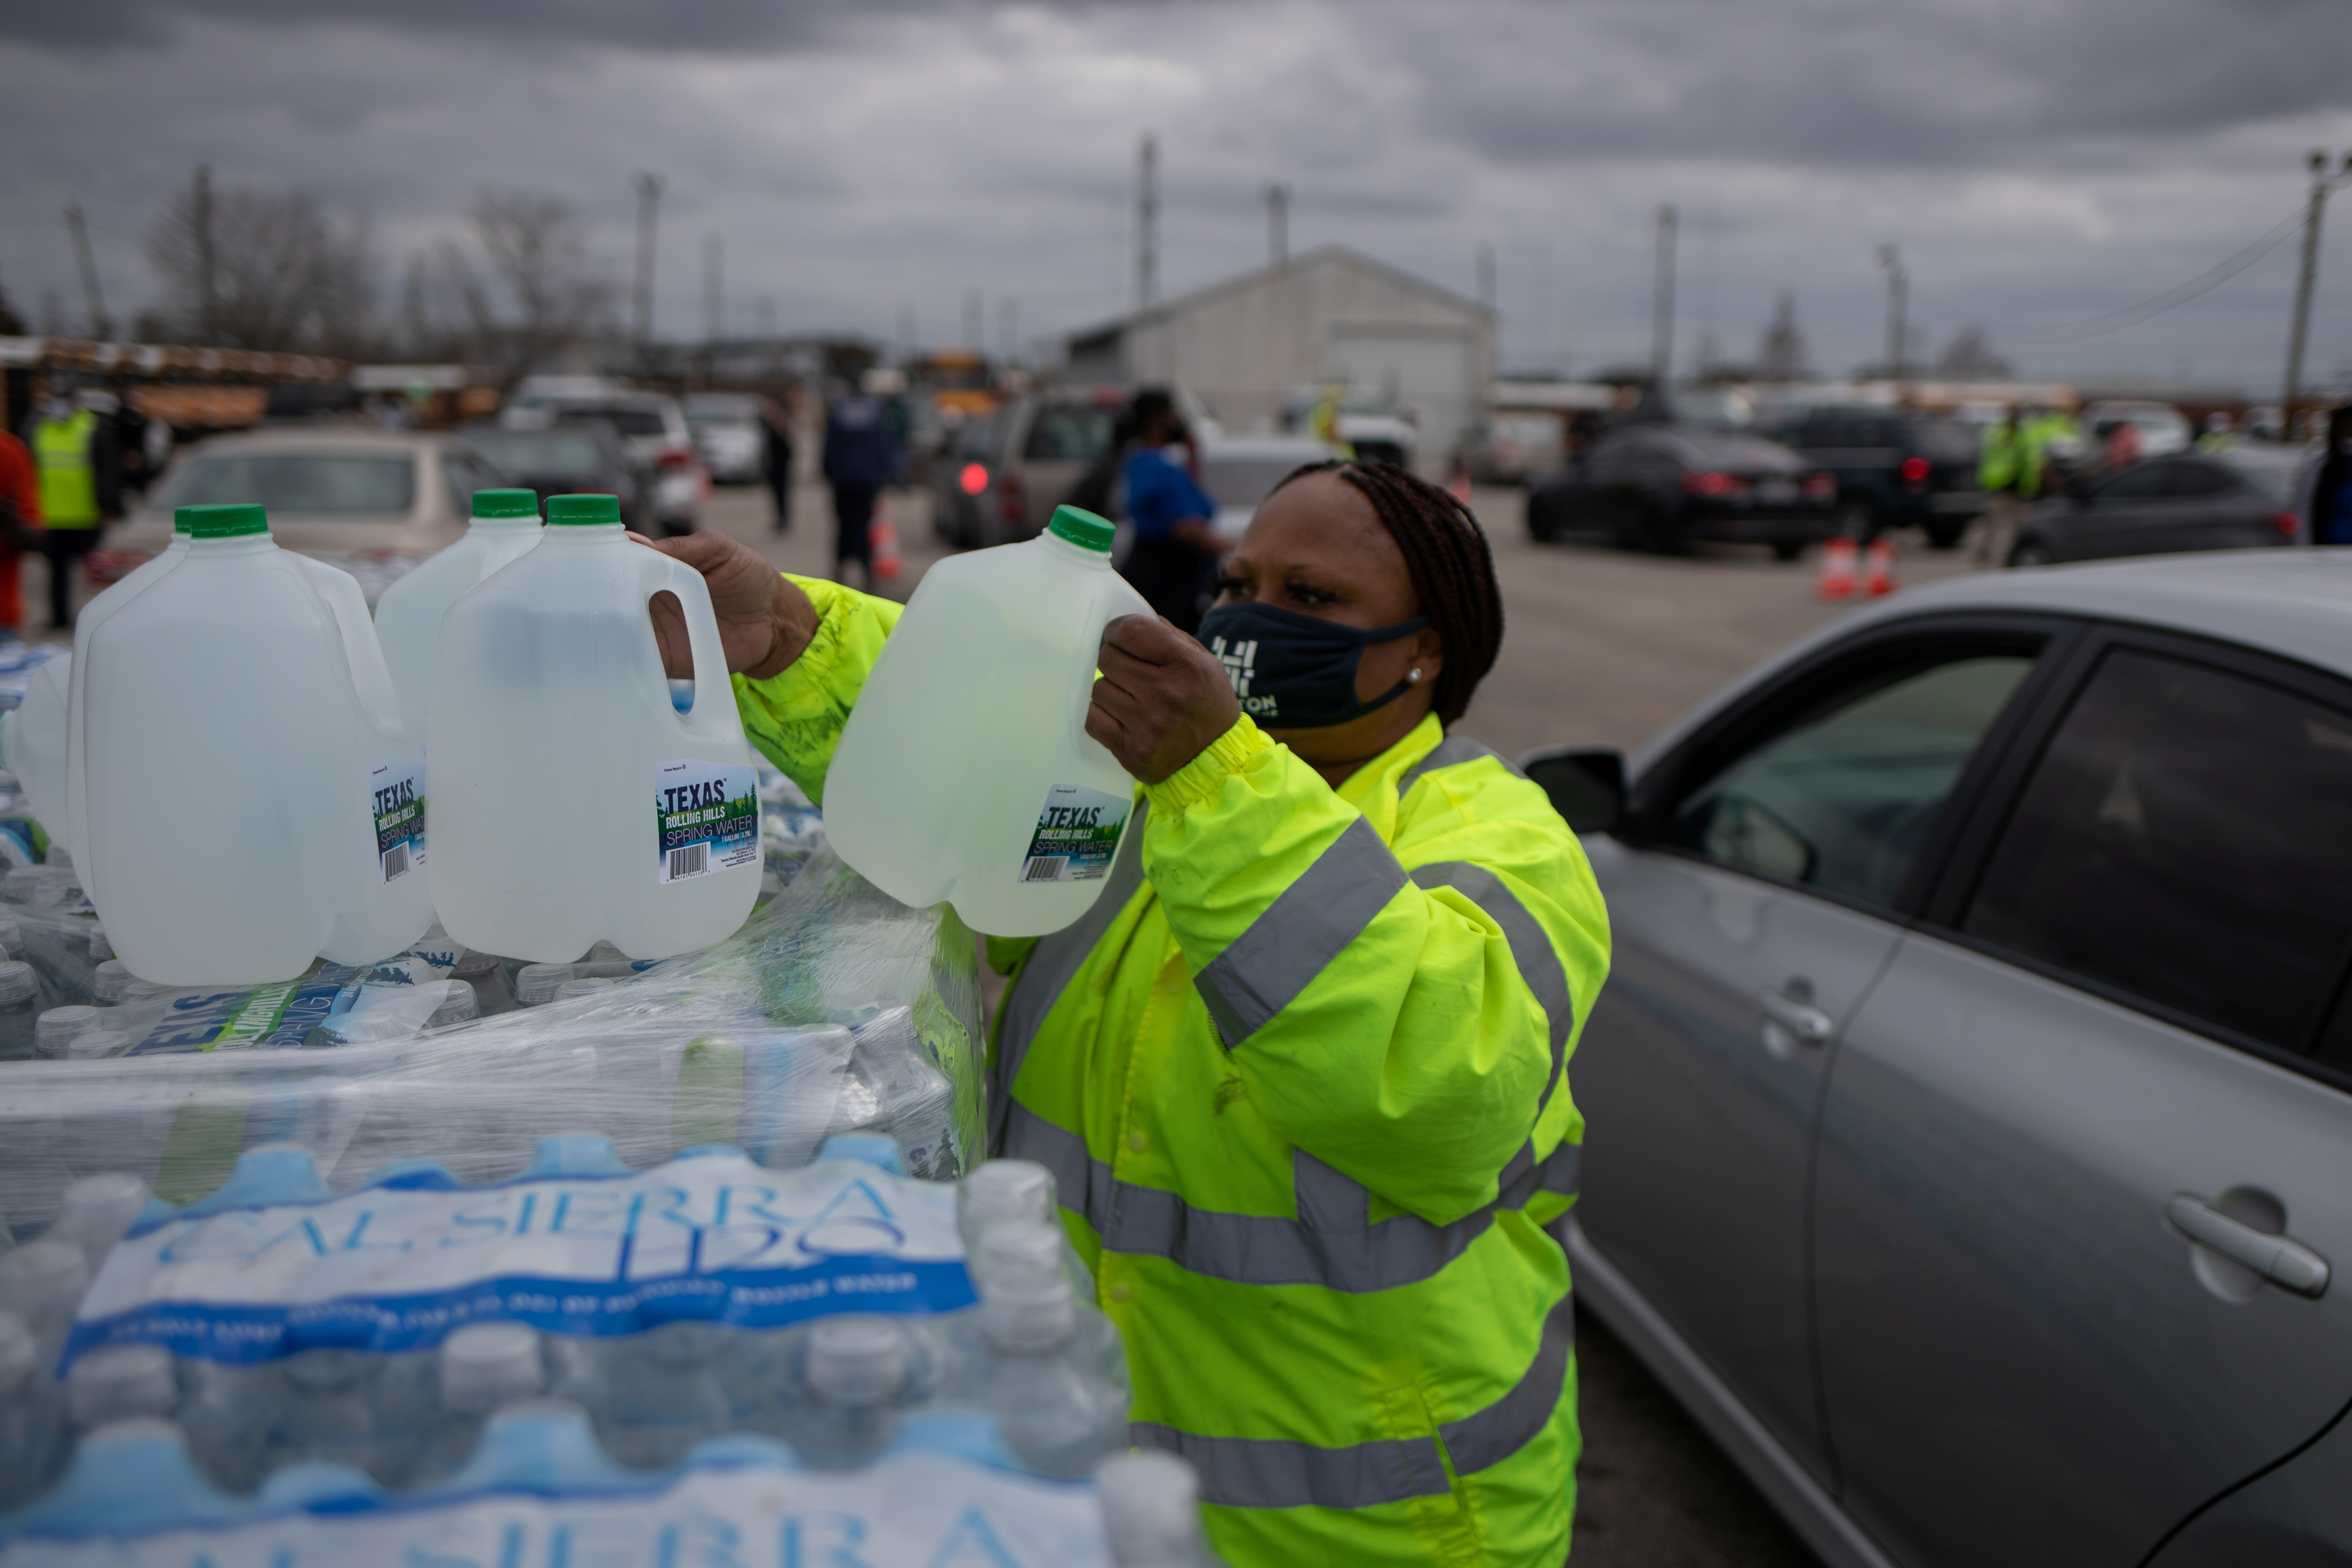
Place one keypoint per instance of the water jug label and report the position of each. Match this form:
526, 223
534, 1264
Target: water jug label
916, 1509
398, 792
397, 1267
1077, 835
708, 816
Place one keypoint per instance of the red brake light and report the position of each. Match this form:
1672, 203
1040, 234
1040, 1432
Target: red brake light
974, 480
1708, 484
2288, 523
1915, 471
1008, 490
1821, 487
674, 459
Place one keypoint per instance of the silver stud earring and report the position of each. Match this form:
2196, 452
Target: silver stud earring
1415, 674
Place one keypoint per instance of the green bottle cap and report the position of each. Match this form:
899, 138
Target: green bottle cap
221, 521
588, 509
1083, 529
506, 503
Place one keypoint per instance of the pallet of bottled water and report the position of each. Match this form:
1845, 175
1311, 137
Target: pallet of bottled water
830, 1364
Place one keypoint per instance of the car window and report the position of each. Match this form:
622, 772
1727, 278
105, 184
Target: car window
2186, 836
627, 421
2184, 481
542, 454
2135, 484
319, 484
1842, 799
464, 473
1946, 440
1069, 433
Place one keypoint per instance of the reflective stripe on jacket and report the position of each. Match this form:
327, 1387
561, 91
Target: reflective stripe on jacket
1300, 1074
61, 448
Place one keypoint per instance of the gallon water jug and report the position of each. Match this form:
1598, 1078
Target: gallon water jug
965, 771
576, 802
408, 617
93, 615
247, 797
33, 745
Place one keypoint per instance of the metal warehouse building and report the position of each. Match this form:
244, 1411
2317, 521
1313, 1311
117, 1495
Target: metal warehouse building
1325, 316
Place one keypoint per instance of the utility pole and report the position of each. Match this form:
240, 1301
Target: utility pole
1277, 225
1147, 223
714, 300
1662, 318
650, 193
200, 210
2304, 282
1898, 305
975, 334
1486, 272
99, 327
1008, 331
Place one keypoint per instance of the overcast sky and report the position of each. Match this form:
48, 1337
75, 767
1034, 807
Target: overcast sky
2039, 161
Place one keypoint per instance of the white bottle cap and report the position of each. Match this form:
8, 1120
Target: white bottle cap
459, 1005
112, 981
18, 984
535, 983
94, 1044
484, 1366
859, 1359
1152, 1509
1017, 1250
121, 1384
54, 1029
1029, 1316
20, 1355
1003, 1190
44, 1279
573, 990
94, 1212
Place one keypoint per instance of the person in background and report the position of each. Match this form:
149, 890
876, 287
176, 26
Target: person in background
2009, 471
81, 486
861, 458
20, 525
1175, 530
130, 439
2119, 444
2328, 484
2219, 434
779, 423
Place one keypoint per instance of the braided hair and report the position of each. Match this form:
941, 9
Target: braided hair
1452, 570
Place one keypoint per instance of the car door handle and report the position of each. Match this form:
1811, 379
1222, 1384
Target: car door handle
2289, 1265
1808, 1023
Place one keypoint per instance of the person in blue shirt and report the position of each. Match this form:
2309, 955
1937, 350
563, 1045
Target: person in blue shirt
2328, 493
1175, 538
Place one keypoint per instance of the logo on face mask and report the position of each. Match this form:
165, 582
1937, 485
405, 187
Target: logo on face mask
1240, 668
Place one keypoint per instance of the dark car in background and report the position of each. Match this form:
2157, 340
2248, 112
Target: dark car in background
2235, 499
1895, 467
579, 457
1003, 477
1660, 485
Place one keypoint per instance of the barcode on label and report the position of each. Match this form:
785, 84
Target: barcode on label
690, 861
396, 862
1044, 868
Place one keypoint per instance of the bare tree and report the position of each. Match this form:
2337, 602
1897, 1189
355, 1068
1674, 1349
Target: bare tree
1970, 356
1781, 356
524, 294
267, 270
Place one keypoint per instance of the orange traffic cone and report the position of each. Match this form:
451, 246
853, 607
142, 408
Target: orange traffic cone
1878, 571
1837, 570
1458, 486
882, 537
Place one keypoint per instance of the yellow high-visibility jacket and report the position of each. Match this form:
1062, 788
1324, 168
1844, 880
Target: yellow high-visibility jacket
1300, 1074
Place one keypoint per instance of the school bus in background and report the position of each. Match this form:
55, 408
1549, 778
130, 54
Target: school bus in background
958, 379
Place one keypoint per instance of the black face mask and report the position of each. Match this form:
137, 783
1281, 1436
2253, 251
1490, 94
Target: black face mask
1293, 671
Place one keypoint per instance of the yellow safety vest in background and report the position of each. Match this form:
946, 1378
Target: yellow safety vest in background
1301, 1077
68, 480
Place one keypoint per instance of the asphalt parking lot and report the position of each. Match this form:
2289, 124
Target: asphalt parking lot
1603, 647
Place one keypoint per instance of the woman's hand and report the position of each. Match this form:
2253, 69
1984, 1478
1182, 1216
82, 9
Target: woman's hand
1162, 700
765, 621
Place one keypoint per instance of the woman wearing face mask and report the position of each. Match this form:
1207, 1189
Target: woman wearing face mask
1301, 1072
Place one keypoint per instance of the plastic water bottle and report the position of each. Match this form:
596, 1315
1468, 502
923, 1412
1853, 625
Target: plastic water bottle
663, 1393
121, 1382
94, 1213
574, 802
259, 857
1055, 1417
28, 1415
326, 1409
59, 1026
480, 1367
856, 1369
999, 1191
993, 665
20, 1008
42, 1283
33, 745
505, 525
1152, 1510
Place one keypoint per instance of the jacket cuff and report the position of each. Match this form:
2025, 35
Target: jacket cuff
1201, 778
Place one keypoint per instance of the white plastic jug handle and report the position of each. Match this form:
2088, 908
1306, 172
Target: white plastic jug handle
1118, 598
711, 688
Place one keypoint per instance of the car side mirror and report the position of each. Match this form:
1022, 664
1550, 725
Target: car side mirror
1586, 787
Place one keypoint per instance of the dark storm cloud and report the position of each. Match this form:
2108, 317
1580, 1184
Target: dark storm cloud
1871, 82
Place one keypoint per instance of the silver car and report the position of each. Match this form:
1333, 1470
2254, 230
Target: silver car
1970, 1103
730, 434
